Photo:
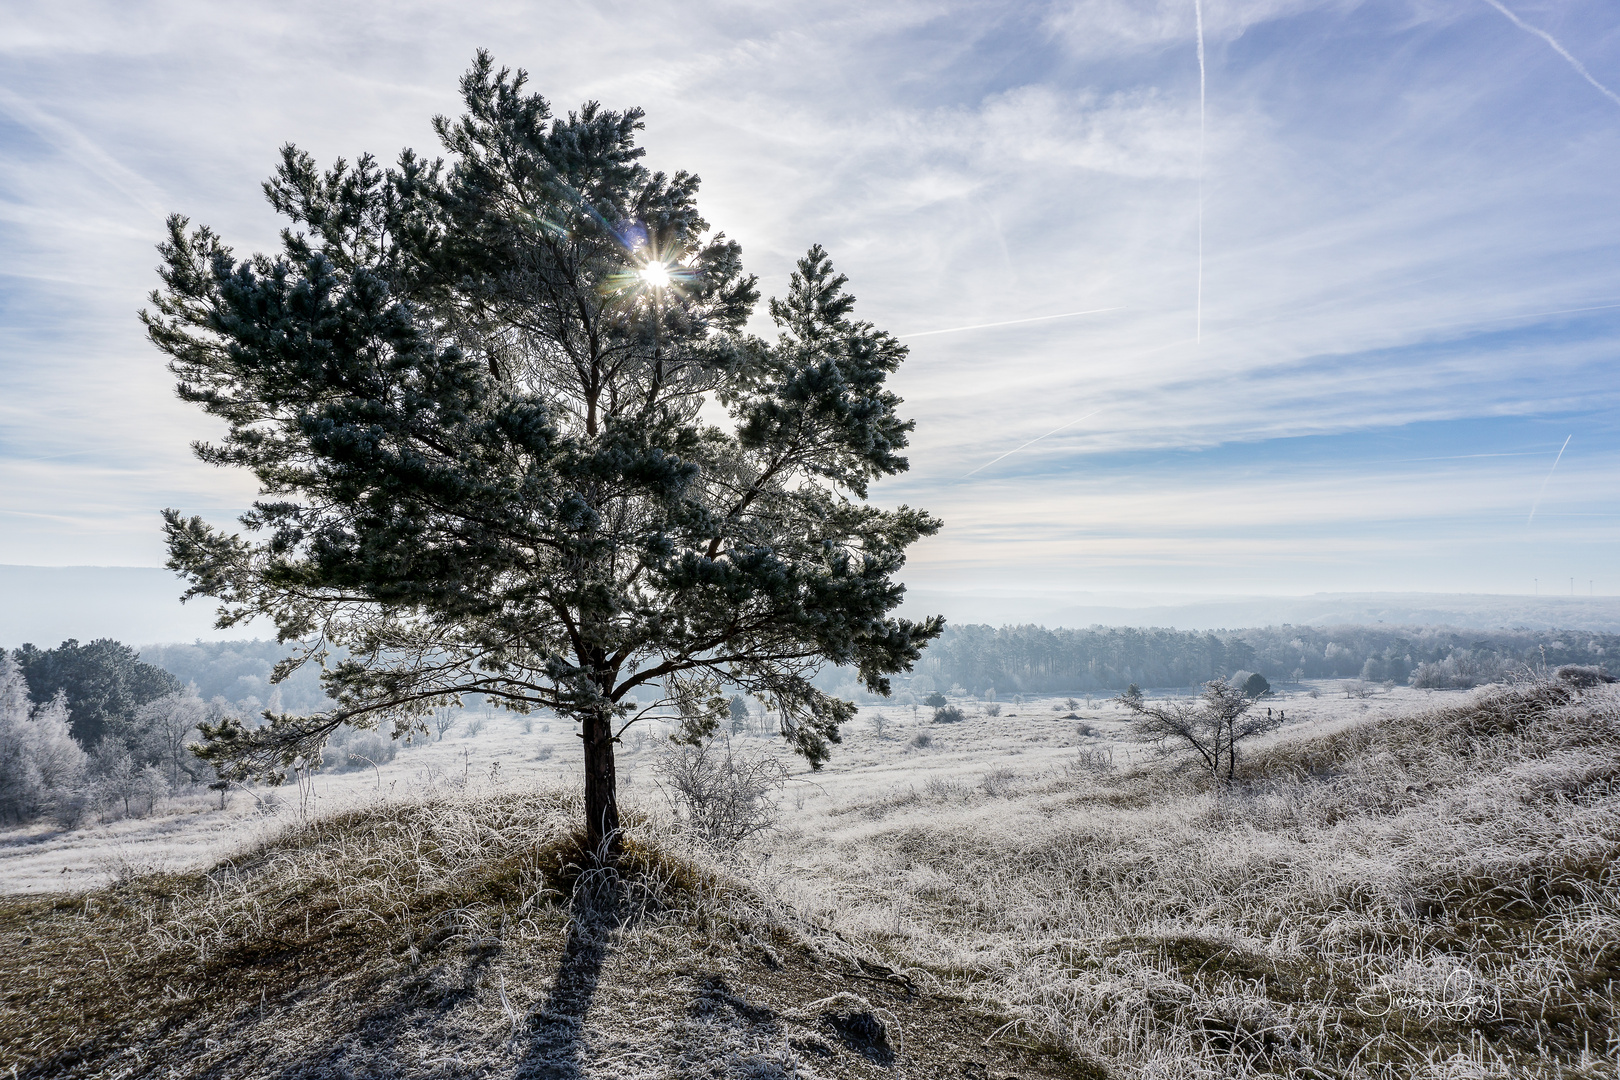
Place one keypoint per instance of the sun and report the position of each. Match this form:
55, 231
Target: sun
655, 274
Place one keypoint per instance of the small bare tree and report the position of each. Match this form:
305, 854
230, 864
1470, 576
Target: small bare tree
1211, 725
879, 723
443, 719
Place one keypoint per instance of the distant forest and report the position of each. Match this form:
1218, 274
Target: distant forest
1035, 660
239, 672
97, 731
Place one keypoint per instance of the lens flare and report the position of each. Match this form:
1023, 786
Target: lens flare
655, 274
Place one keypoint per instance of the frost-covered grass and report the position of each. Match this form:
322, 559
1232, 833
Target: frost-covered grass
1429, 894
190, 830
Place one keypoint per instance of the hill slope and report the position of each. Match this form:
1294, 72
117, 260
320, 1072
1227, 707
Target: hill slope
434, 940
1436, 889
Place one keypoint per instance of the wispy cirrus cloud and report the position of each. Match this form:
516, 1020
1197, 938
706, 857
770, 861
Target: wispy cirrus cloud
1408, 226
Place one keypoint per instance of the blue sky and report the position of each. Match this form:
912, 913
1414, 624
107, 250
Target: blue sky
1410, 283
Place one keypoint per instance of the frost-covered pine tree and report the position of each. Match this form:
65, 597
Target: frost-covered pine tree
513, 440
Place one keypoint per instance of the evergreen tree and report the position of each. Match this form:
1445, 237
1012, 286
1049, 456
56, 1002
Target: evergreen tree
473, 395
738, 708
106, 683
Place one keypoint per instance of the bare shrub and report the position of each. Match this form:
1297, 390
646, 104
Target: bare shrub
1090, 762
474, 726
999, 782
1210, 726
922, 740
992, 709
949, 714
721, 795
943, 790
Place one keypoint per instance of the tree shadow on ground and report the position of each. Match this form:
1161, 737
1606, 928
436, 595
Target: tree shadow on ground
424, 1027
556, 1049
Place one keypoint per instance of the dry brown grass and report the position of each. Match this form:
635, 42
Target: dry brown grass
460, 938
352, 901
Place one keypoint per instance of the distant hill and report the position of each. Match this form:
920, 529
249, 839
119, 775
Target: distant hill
1035, 660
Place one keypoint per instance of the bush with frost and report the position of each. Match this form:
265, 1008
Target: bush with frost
720, 794
40, 764
1208, 728
1583, 677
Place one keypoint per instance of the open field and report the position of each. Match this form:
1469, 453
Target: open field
1402, 885
492, 752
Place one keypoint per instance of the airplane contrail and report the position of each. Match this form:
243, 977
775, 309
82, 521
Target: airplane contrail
1198, 12
1009, 322
1559, 49
1035, 440
1543, 490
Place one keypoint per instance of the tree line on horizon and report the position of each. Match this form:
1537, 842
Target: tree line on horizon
1030, 659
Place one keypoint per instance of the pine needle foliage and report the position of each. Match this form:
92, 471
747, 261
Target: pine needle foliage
473, 395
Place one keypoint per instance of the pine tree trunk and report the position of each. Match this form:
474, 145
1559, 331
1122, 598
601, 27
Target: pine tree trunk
602, 837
